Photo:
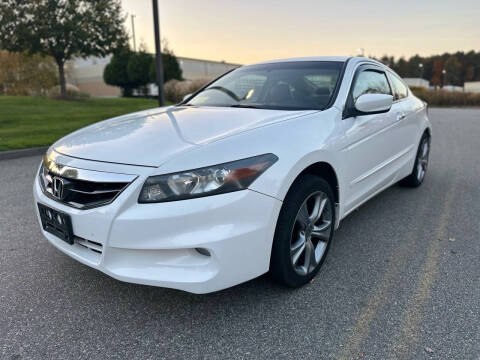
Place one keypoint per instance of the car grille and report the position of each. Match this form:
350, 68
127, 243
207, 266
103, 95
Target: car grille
79, 188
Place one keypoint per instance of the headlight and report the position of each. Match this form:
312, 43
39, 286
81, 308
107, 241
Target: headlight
212, 180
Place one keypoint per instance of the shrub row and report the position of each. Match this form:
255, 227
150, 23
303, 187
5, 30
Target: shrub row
175, 90
446, 98
73, 93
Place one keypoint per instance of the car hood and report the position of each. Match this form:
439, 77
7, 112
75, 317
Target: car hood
151, 137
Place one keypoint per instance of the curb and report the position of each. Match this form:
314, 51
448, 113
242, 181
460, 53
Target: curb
16, 154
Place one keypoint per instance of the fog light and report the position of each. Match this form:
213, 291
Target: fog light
203, 251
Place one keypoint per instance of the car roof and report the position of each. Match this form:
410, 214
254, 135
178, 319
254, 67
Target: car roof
320, 58
309, 58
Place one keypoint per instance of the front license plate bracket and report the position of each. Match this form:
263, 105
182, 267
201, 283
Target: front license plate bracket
57, 223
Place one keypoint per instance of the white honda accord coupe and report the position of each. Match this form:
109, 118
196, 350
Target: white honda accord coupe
251, 174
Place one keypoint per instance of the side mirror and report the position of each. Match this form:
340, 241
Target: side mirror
373, 103
186, 97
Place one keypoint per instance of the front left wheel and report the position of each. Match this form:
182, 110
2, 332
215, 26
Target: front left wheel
304, 231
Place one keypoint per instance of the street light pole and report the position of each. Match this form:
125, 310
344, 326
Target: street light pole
158, 54
133, 33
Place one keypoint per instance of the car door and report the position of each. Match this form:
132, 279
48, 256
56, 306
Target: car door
407, 128
370, 146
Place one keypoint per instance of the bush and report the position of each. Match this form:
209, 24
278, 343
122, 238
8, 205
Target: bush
73, 93
115, 73
138, 69
175, 90
171, 67
24, 74
446, 98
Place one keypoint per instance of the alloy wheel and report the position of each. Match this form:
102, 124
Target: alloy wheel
311, 233
422, 161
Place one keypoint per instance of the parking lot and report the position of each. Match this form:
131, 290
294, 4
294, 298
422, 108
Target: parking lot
402, 281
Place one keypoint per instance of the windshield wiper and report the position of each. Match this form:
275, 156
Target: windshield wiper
247, 106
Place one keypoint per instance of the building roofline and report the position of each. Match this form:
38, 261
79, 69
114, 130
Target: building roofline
205, 60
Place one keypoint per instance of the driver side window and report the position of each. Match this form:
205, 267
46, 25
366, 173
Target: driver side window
370, 82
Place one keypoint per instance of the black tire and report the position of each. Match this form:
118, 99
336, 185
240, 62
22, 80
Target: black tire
415, 179
304, 189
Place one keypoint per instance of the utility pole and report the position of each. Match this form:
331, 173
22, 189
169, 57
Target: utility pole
158, 54
133, 33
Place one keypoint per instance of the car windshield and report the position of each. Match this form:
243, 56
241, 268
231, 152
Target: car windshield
297, 85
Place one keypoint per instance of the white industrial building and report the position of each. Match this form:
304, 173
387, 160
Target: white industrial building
453, 88
193, 69
417, 82
472, 86
87, 74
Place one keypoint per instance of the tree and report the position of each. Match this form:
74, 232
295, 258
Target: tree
130, 70
171, 67
437, 76
401, 67
138, 69
469, 73
24, 74
453, 70
116, 74
62, 29
387, 60
459, 67
415, 66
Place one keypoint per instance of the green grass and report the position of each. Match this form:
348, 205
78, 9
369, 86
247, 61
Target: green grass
37, 121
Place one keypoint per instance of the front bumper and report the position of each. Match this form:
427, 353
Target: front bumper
154, 244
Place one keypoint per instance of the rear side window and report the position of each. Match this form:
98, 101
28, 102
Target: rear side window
399, 89
370, 82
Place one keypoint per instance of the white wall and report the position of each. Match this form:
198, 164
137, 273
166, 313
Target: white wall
86, 70
472, 86
200, 69
418, 82
452, 88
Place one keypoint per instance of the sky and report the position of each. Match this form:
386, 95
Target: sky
249, 31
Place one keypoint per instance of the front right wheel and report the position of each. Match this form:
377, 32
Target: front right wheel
304, 231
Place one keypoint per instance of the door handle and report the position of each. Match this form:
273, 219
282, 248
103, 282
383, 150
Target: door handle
401, 116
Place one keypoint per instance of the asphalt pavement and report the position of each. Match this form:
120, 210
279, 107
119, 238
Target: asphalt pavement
402, 281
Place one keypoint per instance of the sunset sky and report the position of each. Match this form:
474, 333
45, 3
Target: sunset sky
248, 31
